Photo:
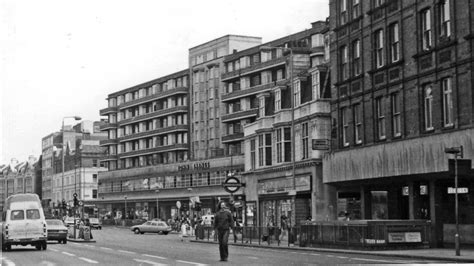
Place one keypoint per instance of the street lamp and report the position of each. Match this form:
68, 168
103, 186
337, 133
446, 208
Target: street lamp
125, 214
63, 150
157, 208
458, 152
293, 102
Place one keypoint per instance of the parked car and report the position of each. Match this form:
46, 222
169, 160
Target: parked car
69, 221
152, 227
56, 230
95, 223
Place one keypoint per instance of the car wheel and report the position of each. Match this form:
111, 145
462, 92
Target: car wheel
8, 247
44, 245
59, 241
137, 231
100, 227
165, 233
65, 241
38, 246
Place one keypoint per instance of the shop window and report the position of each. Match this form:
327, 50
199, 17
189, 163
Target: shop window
379, 205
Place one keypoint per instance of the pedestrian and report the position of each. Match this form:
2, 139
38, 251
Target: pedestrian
222, 224
284, 227
183, 229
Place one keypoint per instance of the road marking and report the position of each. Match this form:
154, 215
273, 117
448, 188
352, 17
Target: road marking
105, 248
153, 256
88, 260
8, 262
315, 254
370, 260
53, 249
150, 262
331, 256
190, 262
69, 254
126, 251
87, 245
341, 257
254, 258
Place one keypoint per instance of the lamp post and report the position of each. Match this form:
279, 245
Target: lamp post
458, 152
293, 102
125, 214
63, 151
157, 206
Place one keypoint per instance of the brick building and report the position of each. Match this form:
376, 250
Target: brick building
402, 93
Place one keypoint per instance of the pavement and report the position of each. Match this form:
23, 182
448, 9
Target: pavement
443, 254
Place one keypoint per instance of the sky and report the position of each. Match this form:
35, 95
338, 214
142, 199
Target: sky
62, 58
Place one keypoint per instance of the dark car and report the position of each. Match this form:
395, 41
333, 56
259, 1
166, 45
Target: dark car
152, 227
95, 223
56, 231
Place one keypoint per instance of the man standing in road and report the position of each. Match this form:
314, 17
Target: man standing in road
222, 223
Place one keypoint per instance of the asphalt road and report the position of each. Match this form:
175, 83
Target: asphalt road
118, 246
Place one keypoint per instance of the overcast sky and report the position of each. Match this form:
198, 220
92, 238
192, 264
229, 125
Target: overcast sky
62, 58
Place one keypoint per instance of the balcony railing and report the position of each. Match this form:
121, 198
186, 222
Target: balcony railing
173, 147
108, 126
163, 112
108, 110
160, 95
252, 90
108, 142
240, 115
255, 67
233, 137
154, 132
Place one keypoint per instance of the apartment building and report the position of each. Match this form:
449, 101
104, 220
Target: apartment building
258, 122
402, 93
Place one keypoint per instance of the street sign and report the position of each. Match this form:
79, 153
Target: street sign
320, 144
232, 184
178, 204
461, 190
80, 203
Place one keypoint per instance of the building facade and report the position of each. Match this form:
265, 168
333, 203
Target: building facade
402, 93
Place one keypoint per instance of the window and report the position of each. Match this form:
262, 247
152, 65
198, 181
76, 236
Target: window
345, 126
394, 39
315, 85
277, 100
344, 61
355, 9
17, 215
94, 193
378, 3
279, 143
445, 19
287, 143
283, 144
94, 178
94, 163
343, 11
396, 116
261, 106
428, 107
305, 140
32, 214
426, 29
379, 62
380, 118
357, 123
356, 58
252, 154
268, 149
260, 150
297, 93
447, 102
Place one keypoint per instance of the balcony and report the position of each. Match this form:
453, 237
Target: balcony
251, 91
155, 132
253, 68
109, 158
108, 126
157, 96
174, 147
108, 110
233, 137
240, 115
163, 112
106, 142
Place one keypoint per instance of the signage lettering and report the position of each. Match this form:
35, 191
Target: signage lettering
195, 166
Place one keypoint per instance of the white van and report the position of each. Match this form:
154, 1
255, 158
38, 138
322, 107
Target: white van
23, 222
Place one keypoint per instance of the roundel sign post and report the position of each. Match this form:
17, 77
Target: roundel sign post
232, 184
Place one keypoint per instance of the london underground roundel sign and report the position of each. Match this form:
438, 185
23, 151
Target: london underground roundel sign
232, 184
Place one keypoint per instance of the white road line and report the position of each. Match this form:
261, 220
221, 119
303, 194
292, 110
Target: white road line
254, 258
105, 248
331, 256
341, 257
315, 254
69, 254
88, 260
153, 256
126, 251
190, 262
371, 260
150, 262
8, 262
53, 249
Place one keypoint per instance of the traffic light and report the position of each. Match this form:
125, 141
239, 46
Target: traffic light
64, 204
76, 201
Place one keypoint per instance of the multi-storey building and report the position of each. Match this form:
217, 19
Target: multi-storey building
258, 117
163, 160
81, 164
19, 178
402, 74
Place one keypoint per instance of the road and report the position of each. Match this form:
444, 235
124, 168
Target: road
119, 246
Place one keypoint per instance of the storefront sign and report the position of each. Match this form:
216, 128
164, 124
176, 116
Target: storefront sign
195, 166
405, 191
423, 190
284, 184
404, 237
320, 144
232, 184
461, 190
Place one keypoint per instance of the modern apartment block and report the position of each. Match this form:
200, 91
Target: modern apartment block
82, 165
164, 146
258, 122
402, 93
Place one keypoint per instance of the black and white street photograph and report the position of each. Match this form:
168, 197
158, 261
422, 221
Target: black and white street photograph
221, 132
